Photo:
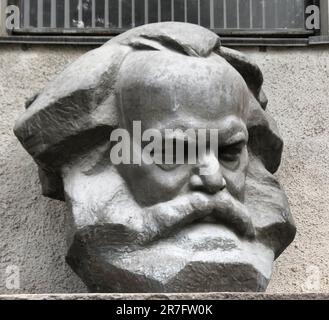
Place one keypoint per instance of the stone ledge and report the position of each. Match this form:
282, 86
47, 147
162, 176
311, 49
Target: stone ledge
169, 296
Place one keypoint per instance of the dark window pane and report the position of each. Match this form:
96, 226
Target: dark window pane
165, 10
60, 13
192, 11
271, 14
219, 14
139, 12
33, 13
282, 14
243, 14
179, 12
87, 13
46, 13
113, 14
205, 13
231, 6
153, 11
257, 13
74, 16
296, 14
99, 14
126, 14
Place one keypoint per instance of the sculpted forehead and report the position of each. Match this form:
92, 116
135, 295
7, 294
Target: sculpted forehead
156, 85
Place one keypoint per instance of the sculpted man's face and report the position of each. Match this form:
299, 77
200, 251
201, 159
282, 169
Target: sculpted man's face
213, 224
138, 217
206, 93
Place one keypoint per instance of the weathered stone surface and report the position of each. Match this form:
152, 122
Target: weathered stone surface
149, 228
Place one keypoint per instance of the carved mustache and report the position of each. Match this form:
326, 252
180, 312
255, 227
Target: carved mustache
164, 218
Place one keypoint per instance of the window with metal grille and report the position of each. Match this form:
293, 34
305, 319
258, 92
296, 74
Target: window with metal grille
115, 16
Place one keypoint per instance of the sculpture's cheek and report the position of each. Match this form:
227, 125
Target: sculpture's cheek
151, 184
236, 179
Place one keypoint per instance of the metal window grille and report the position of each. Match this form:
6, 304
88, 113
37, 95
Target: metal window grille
114, 16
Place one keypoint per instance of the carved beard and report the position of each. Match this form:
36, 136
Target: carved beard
109, 246
193, 243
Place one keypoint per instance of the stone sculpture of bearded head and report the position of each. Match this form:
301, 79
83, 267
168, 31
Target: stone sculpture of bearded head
159, 227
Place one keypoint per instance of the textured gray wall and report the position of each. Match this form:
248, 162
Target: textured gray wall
32, 234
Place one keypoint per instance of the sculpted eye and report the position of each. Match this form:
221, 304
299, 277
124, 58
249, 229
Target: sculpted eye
231, 153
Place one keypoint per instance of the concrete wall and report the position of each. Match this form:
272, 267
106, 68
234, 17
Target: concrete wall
32, 234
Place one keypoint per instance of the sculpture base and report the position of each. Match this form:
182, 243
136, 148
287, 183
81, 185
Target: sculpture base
170, 296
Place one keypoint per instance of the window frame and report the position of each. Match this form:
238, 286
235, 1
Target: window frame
231, 37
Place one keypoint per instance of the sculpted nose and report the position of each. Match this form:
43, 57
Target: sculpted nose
207, 175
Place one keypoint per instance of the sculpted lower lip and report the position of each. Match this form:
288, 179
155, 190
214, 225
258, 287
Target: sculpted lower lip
227, 223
